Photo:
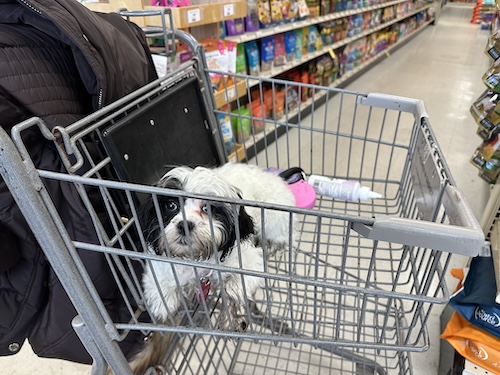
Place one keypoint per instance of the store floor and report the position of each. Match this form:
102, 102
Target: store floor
443, 66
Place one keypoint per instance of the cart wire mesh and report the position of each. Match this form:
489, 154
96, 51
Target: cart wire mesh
340, 301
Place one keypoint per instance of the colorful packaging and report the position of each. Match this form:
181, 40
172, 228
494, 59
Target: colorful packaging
290, 45
231, 56
264, 13
493, 45
241, 64
253, 57
226, 129
241, 125
235, 27
279, 50
298, 43
267, 53
276, 11
252, 18
486, 110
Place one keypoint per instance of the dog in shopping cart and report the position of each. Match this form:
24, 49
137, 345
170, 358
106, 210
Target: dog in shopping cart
212, 233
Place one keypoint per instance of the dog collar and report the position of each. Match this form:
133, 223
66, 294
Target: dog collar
204, 290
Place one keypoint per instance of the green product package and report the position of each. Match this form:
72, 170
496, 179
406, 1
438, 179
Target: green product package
241, 64
241, 126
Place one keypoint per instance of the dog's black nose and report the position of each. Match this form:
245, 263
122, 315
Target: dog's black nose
180, 227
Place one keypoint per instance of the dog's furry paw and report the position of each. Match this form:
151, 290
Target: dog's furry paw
232, 322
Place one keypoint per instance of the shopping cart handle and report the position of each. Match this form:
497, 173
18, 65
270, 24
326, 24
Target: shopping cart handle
463, 235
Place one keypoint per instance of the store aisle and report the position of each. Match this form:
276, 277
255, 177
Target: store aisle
443, 66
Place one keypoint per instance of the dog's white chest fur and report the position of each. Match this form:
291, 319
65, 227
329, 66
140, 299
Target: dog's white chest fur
180, 281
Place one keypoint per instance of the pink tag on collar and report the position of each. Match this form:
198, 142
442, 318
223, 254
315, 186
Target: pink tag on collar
205, 289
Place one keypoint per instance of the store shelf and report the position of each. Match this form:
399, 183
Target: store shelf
203, 14
272, 128
284, 27
471, 368
229, 94
313, 55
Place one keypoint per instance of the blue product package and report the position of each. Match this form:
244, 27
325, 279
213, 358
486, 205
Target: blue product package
475, 301
253, 57
267, 53
290, 45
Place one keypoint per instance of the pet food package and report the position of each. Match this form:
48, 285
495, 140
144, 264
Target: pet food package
241, 124
492, 77
493, 45
290, 10
473, 343
290, 45
303, 9
252, 18
226, 129
279, 50
253, 57
241, 63
217, 59
264, 13
235, 27
298, 44
475, 298
267, 53
231, 50
276, 13
486, 110
487, 156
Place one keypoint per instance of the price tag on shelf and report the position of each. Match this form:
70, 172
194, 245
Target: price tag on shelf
230, 94
194, 15
228, 10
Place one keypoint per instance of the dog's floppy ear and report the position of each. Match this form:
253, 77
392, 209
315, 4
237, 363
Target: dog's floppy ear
245, 227
245, 223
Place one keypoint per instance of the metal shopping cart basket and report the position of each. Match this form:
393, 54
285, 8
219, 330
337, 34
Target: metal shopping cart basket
355, 293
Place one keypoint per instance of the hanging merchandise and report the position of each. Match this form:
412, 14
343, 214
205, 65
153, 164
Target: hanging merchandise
486, 110
492, 78
487, 158
493, 45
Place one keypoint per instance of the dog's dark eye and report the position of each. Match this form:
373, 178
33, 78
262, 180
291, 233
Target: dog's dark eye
171, 206
204, 208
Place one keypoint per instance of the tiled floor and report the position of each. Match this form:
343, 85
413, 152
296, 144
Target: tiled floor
443, 66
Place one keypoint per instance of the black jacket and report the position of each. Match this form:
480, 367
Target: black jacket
58, 61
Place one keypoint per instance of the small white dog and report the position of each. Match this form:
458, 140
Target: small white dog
211, 233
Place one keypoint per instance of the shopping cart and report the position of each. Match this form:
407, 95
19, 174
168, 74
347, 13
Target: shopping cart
354, 295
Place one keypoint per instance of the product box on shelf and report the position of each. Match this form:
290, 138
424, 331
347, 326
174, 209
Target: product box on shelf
200, 14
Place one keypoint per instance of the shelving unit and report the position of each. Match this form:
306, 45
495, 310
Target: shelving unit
256, 142
311, 56
198, 16
283, 28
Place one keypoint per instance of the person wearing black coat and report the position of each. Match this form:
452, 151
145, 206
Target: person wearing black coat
58, 61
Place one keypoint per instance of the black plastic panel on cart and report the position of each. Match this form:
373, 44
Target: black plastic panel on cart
171, 129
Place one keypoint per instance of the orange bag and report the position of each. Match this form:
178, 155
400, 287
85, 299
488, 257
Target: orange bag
473, 343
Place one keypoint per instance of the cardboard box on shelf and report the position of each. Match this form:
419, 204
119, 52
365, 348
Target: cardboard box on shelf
238, 154
110, 6
202, 14
229, 94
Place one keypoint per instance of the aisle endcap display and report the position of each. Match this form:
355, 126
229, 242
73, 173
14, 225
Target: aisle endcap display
486, 111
